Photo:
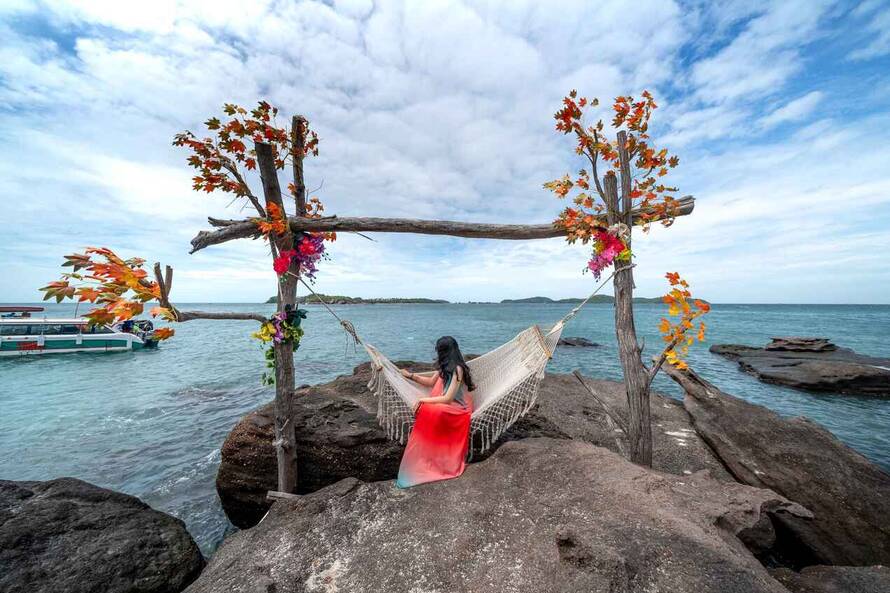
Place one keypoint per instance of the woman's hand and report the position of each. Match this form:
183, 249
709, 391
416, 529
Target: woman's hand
407, 374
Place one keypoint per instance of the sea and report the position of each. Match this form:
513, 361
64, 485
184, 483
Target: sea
151, 423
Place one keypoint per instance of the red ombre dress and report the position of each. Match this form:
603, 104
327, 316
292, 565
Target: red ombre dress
438, 443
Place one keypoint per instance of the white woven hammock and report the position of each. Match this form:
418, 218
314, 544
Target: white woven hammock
507, 381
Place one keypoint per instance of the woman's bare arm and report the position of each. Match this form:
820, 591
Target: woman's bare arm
427, 379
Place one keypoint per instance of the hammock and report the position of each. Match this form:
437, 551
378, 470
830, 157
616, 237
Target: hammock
507, 381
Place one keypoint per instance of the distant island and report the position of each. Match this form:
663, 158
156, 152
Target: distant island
599, 298
339, 299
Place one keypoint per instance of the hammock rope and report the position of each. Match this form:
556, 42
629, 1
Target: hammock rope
507, 378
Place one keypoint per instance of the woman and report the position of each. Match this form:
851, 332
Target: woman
437, 446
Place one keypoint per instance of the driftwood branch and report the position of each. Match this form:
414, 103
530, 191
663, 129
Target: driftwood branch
273, 495
165, 282
228, 230
191, 315
612, 415
689, 381
658, 362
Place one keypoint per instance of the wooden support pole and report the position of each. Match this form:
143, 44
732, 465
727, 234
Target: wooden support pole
636, 383
229, 230
285, 438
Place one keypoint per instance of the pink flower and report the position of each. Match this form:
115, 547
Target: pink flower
606, 248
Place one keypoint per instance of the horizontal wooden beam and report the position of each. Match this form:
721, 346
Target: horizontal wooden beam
225, 316
228, 230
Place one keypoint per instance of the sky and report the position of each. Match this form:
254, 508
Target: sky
779, 112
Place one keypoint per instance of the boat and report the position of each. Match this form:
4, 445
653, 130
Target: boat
23, 334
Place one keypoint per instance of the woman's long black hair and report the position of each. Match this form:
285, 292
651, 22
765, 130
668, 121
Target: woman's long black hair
448, 358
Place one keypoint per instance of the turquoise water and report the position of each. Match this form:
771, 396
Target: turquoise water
151, 423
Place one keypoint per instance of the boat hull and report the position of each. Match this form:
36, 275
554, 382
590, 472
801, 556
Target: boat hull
37, 345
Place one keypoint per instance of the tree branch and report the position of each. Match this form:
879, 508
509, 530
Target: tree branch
229, 166
191, 315
165, 282
593, 160
658, 362
612, 414
229, 230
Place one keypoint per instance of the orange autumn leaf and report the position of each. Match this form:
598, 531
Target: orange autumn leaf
119, 287
649, 194
674, 334
87, 294
274, 223
162, 333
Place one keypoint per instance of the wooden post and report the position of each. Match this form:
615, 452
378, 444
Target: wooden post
298, 144
285, 436
636, 383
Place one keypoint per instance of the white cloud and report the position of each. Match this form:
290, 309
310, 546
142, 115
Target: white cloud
877, 28
438, 110
793, 110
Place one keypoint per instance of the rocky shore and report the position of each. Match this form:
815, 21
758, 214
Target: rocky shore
338, 437
812, 364
739, 500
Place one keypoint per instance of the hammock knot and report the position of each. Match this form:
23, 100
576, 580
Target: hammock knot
350, 329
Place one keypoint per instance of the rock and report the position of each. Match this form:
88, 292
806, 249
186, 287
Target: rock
797, 458
338, 437
68, 535
577, 342
835, 579
542, 515
838, 370
801, 344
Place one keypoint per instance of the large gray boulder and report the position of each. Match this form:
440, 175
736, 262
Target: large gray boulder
338, 437
797, 458
68, 535
813, 367
542, 515
835, 579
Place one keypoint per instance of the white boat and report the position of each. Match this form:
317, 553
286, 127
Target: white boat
22, 334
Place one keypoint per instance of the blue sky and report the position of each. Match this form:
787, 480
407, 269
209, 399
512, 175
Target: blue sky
779, 112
